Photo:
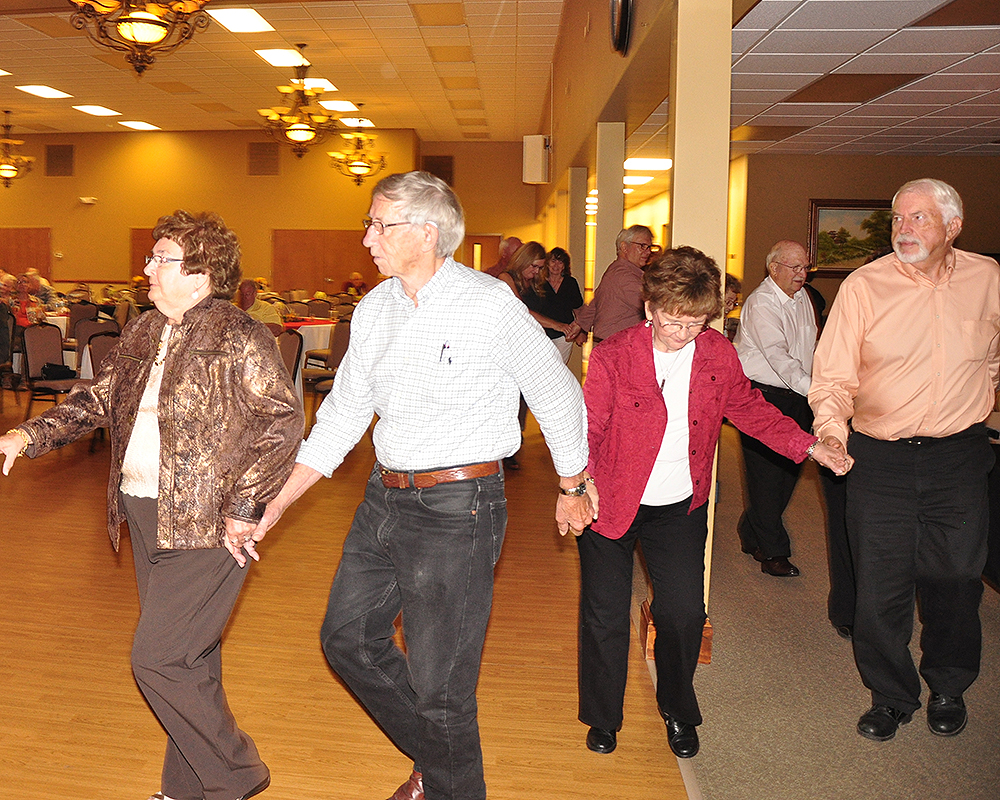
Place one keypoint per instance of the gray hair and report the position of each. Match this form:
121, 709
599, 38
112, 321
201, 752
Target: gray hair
781, 246
948, 201
628, 234
427, 199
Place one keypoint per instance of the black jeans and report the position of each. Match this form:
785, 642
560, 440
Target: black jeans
429, 553
771, 479
673, 544
917, 517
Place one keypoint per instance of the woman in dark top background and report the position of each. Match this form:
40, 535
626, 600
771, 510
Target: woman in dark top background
559, 295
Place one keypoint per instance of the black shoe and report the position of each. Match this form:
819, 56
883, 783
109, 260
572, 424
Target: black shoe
511, 463
845, 631
879, 723
946, 716
682, 737
260, 787
779, 567
601, 741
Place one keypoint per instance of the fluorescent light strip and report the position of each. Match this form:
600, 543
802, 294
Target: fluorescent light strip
338, 105
98, 111
649, 164
139, 126
43, 91
282, 58
240, 20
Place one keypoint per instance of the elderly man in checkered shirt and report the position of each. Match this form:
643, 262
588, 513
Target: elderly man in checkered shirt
440, 353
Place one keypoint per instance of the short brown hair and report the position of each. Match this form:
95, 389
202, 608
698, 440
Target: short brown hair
210, 248
684, 282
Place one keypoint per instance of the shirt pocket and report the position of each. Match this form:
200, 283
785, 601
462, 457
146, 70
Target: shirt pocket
977, 339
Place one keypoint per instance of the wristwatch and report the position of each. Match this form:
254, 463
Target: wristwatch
576, 491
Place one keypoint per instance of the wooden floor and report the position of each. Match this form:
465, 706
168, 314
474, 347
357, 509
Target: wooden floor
73, 724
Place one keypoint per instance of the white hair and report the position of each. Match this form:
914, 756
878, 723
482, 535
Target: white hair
948, 201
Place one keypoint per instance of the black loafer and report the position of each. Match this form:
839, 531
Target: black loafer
779, 567
601, 741
946, 716
682, 737
845, 631
879, 723
260, 787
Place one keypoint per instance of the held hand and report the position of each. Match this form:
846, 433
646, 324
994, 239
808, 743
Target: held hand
595, 500
239, 534
10, 445
833, 458
573, 513
835, 443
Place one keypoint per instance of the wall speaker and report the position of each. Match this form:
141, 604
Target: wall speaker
535, 160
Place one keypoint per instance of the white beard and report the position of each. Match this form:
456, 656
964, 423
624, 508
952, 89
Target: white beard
922, 253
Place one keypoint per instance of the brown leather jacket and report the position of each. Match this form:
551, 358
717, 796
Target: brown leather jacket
230, 420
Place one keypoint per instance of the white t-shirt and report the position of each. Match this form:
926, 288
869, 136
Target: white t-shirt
670, 480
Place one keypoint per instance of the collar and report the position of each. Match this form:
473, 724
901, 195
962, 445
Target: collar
918, 277
780, 294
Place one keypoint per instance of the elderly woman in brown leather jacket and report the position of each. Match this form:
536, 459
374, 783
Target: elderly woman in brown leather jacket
204, 425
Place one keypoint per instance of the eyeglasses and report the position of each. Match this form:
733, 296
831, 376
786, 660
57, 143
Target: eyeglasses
673, 327
160, 261
652, 248
803, 268
380, 226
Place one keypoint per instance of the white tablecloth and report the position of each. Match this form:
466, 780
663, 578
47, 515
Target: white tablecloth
60, 320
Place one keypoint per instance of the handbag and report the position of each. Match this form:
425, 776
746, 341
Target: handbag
57, 372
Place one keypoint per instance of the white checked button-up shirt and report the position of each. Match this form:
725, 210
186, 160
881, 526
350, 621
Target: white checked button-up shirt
443, 375
777, 337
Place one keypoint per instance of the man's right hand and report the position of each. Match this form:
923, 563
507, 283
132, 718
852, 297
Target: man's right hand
11, 445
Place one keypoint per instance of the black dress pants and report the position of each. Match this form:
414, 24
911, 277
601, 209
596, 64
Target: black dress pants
673, 543
918, 517
771, 479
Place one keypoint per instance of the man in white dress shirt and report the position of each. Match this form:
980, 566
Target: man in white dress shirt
775, 342
440, 353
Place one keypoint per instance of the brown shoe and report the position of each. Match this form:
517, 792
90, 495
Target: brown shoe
413, 789
779, 567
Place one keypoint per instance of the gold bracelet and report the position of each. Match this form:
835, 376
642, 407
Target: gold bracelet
24, 438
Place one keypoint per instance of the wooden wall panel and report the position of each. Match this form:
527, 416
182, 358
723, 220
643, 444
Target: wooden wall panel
22, 249
141, 246
317, 260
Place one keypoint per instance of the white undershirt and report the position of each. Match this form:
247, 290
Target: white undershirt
670, 480
141, 465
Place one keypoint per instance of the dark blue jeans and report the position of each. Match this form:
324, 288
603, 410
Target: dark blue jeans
429, 553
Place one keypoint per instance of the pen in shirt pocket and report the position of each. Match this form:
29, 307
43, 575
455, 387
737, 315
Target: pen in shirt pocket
444, 352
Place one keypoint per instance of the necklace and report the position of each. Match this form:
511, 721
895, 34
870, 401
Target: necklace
161, 348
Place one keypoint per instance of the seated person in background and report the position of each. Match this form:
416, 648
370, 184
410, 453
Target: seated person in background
356, 285
246, 298
27, 307
41, 289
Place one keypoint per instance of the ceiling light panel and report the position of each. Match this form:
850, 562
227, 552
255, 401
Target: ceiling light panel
43, 91
240, 20
98, 111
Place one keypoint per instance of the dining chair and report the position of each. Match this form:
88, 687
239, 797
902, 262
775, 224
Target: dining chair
77, 313
85, 329
43, 345
319, 308
298, 308
339, 341
290, 346
99, 344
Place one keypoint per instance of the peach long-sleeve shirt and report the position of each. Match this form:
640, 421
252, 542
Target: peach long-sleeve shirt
904, 357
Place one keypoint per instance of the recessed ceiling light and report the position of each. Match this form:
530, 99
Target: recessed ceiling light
320, 83
240, 20
338, 105
4, 72
282, 58
626, 190
139, 126
98, 111
43, 91
649, 164
357, 122
636, 180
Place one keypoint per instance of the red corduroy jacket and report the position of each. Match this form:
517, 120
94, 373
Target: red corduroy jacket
626, 419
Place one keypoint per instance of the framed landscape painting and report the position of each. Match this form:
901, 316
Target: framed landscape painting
844, 234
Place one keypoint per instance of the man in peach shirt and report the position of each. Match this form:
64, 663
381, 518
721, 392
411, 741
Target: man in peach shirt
909, 357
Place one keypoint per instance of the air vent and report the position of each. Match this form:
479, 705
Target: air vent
59, 160
262, 158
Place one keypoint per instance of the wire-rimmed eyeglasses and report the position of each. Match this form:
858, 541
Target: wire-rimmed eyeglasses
380, 226
160, 261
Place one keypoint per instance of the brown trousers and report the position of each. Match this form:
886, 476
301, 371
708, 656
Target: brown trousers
185, 599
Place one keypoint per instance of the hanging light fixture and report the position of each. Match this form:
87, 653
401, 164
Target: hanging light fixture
141, 30
356, 160
304, 122
11, 164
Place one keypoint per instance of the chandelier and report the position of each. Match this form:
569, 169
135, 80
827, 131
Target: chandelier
357, 161
141, 30
304, 122
11, 165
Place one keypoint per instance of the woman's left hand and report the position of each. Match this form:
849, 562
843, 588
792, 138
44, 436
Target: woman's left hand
239, 537
837, 460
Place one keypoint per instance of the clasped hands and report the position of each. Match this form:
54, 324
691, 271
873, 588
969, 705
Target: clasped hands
831, 453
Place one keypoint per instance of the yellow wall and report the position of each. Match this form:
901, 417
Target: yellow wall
137, 177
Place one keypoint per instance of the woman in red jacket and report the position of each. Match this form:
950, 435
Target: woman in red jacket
656, 395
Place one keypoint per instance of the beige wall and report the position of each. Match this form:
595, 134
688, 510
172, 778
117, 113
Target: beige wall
487, 179
779, 188
137, 177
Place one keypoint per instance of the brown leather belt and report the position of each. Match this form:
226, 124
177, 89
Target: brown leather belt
424, 480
